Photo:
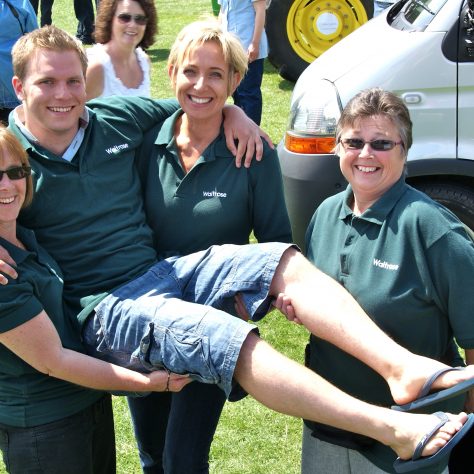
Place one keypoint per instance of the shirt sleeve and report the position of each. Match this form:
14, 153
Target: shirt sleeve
270, 216
142, 112
18, 304
452, 271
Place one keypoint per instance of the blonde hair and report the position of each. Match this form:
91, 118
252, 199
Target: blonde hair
9, 144
199, 32
50, 38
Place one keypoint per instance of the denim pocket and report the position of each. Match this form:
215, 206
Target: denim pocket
177, 351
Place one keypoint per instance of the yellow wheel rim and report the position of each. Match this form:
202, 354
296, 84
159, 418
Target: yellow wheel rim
314, 26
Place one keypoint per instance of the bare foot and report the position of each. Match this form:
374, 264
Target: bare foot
406, 385
410, 431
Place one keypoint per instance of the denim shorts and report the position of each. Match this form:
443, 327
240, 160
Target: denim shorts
176, 315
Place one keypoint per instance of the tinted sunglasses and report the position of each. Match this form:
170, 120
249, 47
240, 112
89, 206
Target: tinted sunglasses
19, 172
127, 18
377, 145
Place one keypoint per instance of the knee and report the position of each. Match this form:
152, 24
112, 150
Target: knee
293, 268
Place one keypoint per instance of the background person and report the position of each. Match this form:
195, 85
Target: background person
118, 64
406, 259
195, 197
16, 18
46, 10
84, 11
246, 19
46, 423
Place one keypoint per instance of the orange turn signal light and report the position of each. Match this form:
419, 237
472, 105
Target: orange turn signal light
310, 145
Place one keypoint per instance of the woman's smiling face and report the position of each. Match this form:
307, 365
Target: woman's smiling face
372, 172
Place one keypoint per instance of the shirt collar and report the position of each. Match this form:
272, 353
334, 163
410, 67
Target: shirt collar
165, 136
378, 212
76, 142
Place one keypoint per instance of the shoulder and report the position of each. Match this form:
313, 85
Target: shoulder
331, 203
142, 55
269, 165
94, 79
418, 213
416, 204
328, 209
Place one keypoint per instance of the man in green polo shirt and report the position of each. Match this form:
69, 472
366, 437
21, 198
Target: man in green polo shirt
142, 314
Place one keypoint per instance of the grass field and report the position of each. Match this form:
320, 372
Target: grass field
250, 438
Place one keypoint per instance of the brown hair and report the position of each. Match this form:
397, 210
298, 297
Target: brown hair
105, 16
50, 38
9, 144
376, 101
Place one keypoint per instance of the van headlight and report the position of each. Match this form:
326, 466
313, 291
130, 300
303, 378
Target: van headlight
313, 117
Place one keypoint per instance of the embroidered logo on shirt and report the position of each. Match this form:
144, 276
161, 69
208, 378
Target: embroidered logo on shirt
116, 148
385, 265
214, 194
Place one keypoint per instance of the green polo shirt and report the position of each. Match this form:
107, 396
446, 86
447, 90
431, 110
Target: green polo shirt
28, 397
88, 213
215, 202
409, 263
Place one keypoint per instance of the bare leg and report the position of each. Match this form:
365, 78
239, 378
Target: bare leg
286, 386
331, 313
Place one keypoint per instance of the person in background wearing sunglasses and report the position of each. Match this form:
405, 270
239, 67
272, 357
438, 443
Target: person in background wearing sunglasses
117, 63
47, 424
406, 259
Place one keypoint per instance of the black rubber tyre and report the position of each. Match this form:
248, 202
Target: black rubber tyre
301, 30
456, 197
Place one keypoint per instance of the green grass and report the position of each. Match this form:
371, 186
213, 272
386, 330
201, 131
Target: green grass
250, 438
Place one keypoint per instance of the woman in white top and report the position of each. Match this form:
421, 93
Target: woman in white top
117, 63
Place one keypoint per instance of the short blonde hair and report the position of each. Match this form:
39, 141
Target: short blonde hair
50, 38
199, 32
9, 144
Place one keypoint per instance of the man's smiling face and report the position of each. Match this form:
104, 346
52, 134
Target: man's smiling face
53, 93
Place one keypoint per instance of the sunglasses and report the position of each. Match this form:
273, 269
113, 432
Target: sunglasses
19, 172
377, 145
127, 18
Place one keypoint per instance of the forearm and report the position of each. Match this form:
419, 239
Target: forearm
260, 13
37, 342
86, 371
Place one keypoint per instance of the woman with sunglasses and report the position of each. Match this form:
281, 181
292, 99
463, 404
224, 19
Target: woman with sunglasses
118, 64
48, 424
406, 259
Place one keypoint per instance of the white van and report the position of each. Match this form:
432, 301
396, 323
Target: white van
423, 51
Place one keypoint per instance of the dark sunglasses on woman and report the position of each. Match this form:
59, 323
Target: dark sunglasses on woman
127, 18
18, 172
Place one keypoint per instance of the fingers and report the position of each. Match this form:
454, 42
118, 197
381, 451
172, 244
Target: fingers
177, 382
283, 303
165, 381
230, 143
240, 152
254, 148
7, 270
267, 139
